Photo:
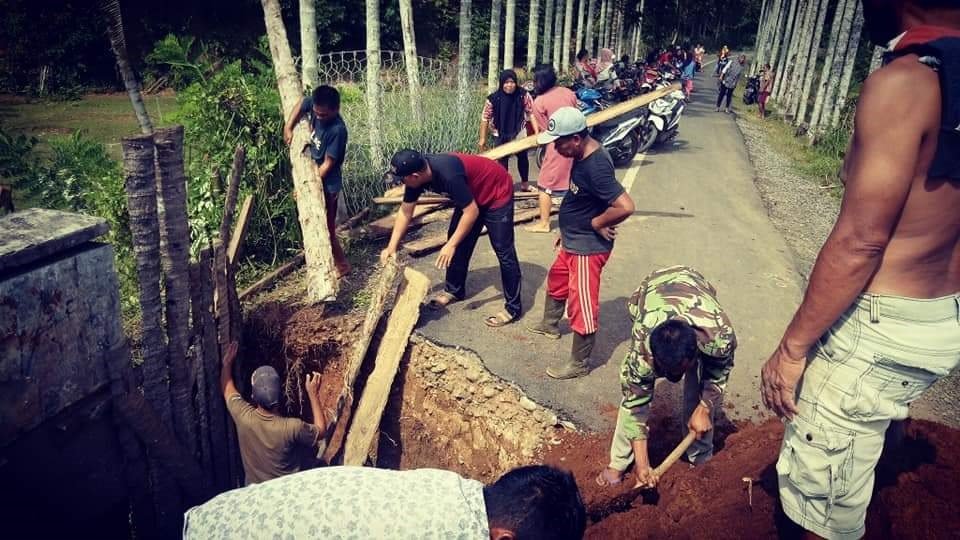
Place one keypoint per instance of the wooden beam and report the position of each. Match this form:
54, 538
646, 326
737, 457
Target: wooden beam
273, 276
429, 244
384, 225
240, 231
523, 195
366, 419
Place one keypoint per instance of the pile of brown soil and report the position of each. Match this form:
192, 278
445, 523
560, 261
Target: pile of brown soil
915, 484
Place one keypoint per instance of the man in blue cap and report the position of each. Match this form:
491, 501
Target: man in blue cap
272, 445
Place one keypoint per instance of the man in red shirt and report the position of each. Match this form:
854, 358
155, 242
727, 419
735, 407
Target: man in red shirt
482, 193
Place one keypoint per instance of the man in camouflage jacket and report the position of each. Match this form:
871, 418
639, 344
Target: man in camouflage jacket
679, 331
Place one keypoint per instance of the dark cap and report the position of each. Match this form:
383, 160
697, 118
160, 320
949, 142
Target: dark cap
405, 162
266, 387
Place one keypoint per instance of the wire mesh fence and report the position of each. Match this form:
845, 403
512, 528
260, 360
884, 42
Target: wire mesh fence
445, 125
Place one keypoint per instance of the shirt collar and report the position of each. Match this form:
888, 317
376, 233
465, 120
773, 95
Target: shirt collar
893, 42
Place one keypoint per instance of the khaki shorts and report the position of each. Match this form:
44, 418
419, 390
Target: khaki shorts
882, 354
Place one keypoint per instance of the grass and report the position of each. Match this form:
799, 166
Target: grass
104, 117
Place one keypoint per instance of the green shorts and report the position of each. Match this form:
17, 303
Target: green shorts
882, 354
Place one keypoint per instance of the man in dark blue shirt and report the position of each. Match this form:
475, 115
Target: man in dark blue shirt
328, 147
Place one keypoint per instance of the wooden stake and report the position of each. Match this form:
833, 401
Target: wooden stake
240, 231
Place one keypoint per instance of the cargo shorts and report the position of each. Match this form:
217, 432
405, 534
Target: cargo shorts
882, 354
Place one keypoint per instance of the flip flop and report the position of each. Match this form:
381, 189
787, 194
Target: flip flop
440, 300
500, 319
602, 481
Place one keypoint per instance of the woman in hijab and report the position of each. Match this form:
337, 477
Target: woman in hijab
506, 112
554, 178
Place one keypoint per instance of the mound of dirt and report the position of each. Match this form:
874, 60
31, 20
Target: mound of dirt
912, 499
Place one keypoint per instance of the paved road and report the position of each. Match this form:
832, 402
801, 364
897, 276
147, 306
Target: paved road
696, 205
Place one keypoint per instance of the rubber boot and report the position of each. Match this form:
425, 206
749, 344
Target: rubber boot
552, 312
576, 366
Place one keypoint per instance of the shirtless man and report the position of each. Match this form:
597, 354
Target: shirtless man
879, 323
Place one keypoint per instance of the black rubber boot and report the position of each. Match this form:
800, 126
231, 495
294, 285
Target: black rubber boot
552, 312
576, 366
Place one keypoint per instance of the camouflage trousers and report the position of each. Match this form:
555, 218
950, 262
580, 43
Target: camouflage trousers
882, 354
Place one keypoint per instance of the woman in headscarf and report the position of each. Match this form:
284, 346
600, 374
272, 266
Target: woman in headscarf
506, 112
554, 178
606, 77
586, 69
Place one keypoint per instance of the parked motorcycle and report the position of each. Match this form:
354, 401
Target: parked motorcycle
618, 136
662, 121
752, 91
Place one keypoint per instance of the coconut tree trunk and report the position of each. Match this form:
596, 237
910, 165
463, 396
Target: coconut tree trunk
567, 35
803, 105
372, 81
308, 42
493, 57
508, 34
581, 25
463, 52
558, 36
758, 40
601, 37
410, 60
876, 60
175, 259
590, 15
321, 276
786, 62
778, 31
853, 46
803, 37
640, 28
532, 31
111, 10
546, 47
830, 73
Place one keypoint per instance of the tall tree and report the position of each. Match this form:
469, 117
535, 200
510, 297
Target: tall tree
590, 15
463, 53
828, 74
876, 59
111, 9
508, 34
493, 53
602, 26
532, 29
801, 53
639, 29
410, 60
308, 42
850, 59
777, 33
567, 35
758, 41
321, 275
803, 104
372, 82
558, 36
786, 49
762, 43
546, 45
581, 24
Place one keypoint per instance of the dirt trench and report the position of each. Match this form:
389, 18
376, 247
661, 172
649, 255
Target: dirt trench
446, 410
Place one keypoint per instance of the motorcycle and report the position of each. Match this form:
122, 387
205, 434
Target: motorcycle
618, 136
752, 91
662, 121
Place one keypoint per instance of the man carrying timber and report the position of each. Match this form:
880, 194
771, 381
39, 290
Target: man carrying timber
679, 331
880, 321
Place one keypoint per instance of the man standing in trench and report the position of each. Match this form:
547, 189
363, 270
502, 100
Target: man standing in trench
880, 321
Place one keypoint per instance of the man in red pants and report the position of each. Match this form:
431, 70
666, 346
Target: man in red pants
592, 208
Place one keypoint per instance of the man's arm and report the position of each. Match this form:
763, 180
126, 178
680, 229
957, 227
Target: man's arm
880, 167
619, 210
295, 114
328, 163
226, 371
400, 226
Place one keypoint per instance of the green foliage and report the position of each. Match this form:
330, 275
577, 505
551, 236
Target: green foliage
174, 57
15, 154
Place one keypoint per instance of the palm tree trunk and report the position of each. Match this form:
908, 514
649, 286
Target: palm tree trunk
321, 277
803, 105
175, 259
463, 52
557, 36
876, 59
802, 52
372, 81
823, 95
308, 43
581, 24
410, 59
546, 45
758, 40
853, 46
640, 28
777, 28
493, 56
588, 40
787, 48
532, 29
508, 37
111, 9
567, 35
621, 42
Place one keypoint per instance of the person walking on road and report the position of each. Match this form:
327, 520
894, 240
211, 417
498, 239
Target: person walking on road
554, 176
729, 77
482, 193
589, 214
880, 320
766, 87
679, 331
507, 112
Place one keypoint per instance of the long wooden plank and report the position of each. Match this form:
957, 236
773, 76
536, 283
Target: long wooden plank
240, 232
384, 226
366, 419
599, 117
429, 244
437, 199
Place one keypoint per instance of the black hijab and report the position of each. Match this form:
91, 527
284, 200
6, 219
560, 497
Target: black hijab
508, 108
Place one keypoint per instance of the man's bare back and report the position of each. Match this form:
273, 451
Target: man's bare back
922, 256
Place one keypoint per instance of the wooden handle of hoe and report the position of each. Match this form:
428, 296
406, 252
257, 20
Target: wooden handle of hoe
675, 455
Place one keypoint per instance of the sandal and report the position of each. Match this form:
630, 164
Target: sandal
603, 481
500, 319
441, 300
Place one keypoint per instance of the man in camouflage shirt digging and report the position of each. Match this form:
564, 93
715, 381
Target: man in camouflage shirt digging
679, 331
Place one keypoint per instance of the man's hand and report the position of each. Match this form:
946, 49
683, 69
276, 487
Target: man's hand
313, 384
700, 420
557, 244
230, 354
645, 478
608, 233
482, 145
445, 256
779, 378
287, 136
386, 254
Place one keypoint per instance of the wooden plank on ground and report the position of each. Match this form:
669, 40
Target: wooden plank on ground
384, 225
273, 276
429, 244
366, 419
439, 199
240, 231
